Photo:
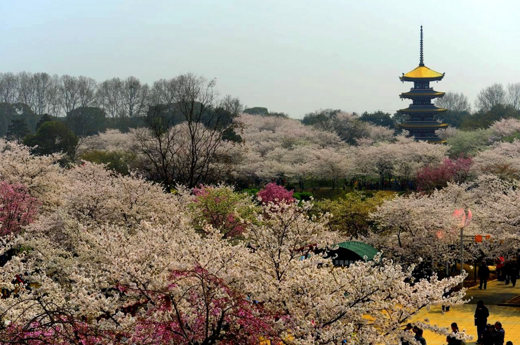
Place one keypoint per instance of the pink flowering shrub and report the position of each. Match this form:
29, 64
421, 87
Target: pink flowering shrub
275, 194
430, 178
17, 208
222, 208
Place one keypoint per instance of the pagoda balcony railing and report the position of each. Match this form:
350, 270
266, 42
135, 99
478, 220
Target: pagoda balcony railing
429, 88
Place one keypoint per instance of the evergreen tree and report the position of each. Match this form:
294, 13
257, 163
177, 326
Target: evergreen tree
17, 130
53, 137
43, 119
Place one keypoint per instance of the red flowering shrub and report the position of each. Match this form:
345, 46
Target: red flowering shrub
17, 208
275, 194
430, 178
212, 312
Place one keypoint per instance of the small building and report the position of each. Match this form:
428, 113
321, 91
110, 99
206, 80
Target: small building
350, 252
422, 122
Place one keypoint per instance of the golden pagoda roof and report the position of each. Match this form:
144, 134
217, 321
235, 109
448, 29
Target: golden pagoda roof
422, 72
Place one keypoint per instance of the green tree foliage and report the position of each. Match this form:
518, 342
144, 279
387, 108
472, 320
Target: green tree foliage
256, 111
85, 121
378, 118
117, 161
10, 111
455, 118
469, 143
351, 211
320, 118
264, 112
484, 119
17, 130
44, 118
53, 137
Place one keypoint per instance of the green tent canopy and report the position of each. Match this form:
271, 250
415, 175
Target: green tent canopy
358, 248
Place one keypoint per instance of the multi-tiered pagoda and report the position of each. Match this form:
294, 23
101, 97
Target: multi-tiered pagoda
422, 113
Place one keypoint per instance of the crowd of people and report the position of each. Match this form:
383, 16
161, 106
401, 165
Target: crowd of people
507, 271
487, 334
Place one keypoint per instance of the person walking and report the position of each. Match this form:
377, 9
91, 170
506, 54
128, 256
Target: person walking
500, 265
514, 273
499, 334
483, 275
452, 338
481, 316
419, 337
508, 269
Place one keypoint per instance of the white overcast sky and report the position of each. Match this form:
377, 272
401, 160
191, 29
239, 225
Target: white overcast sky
292, 56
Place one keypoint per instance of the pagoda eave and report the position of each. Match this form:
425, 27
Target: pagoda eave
425, 111
412, 95
422, 125
404, 78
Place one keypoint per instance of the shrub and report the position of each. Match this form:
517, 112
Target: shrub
275, 194
305, 196
222, 208
430, 178
17, 208
118, 161
351, 211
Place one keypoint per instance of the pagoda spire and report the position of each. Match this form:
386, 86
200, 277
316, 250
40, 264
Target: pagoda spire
421, 59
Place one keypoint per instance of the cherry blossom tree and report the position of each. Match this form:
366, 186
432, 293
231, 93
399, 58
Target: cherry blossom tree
401, 158
41, 175
502, 159
421, 227
505, 127
118, 260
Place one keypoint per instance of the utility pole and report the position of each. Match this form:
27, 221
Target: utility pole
461, 254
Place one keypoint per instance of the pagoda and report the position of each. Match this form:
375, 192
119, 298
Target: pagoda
421, 122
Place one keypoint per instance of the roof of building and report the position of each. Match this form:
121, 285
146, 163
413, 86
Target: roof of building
412, 94
422, 73
422, 125
360, 248
412, 110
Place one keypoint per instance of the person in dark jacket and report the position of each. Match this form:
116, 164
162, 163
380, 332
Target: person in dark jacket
419, 337
508, 270
487, 336
481, 315
499, 334
514, 271
452, 339
483, 275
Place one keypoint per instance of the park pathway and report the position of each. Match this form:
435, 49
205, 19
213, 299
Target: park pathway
496, 293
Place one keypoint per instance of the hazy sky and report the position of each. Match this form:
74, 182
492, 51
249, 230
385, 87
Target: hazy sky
293, 56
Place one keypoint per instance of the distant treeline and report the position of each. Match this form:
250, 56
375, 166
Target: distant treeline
87, 106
